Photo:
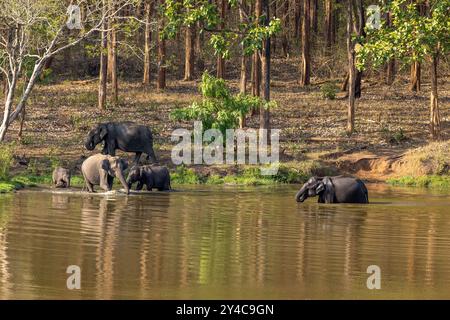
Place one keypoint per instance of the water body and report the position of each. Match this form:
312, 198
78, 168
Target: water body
224, 242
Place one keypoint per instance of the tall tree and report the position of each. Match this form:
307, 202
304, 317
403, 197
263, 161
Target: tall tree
360, 33
112, 55
329, 23
220, 59
314, 16
189, 53
148, 12
306, 59
103, 73
264, 118
351, 71
415, 37
256, 63
286, 30
161, 83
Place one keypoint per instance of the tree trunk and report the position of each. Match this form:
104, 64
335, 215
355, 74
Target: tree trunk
273, 46
314, 13
264, 115
435, 119
361, 33
305, 67
198, 49
103, 65
112, 61
189, 54
161, 84
297, 18
415, 83
148, 43
220, 59
256, 68
351, 72
328, 23
285, 39
390, 66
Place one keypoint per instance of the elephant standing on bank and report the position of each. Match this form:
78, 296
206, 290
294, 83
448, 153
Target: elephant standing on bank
125, 136
338, 189
101, 169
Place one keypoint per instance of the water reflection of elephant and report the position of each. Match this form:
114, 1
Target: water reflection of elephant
331, 240
127, 239
60, 201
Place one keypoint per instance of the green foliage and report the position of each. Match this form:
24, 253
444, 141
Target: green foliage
183, 175
249, 34
411, 36
6, 161
329, 90
393, 136
219, 109
432, 181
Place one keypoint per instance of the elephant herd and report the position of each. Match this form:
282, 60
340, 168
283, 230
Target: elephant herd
101, 169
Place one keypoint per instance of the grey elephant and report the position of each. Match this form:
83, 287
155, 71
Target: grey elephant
101, 169
61, 177
125, 136
152, 176
337, 189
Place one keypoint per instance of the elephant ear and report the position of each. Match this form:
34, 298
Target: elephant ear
103, 131
329, 192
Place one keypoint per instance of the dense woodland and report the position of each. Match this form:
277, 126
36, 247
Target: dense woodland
157, 42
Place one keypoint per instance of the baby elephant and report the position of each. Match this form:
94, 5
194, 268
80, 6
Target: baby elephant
152, 176
61, 178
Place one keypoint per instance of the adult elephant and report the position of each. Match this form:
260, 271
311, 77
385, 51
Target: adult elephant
101, 169
337, 189
125, 136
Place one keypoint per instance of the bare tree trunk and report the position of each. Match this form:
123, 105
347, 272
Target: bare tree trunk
328, 23
314, 13
273, 46
198, 50
22, 121
103, 65
361, 34
161, 84
390, 66
189, 54
305, 67
297, 18
285, 39
112, 61
220, 59
148, 43
264, 115
435, 119
256, 83
352, 71
415, 83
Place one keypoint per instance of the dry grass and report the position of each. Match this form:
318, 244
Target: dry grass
389, 119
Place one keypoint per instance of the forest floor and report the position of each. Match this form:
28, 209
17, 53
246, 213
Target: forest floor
390, 122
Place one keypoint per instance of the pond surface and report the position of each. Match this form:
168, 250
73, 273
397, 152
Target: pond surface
224, 242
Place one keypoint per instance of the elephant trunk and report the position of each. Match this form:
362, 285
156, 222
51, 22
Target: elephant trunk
302, 194
123, 182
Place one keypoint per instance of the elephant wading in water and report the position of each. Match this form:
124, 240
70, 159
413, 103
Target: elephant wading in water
338, 189
152, 176
125, 136
101, 169
61, 178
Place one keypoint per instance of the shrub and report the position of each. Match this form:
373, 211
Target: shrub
219, 109
329, 90
6, 161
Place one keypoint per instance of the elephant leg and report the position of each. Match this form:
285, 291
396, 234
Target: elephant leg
139, 186
151, 155
90, 187
104, 180
137, 157
112, 149
110, 182
149, 187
